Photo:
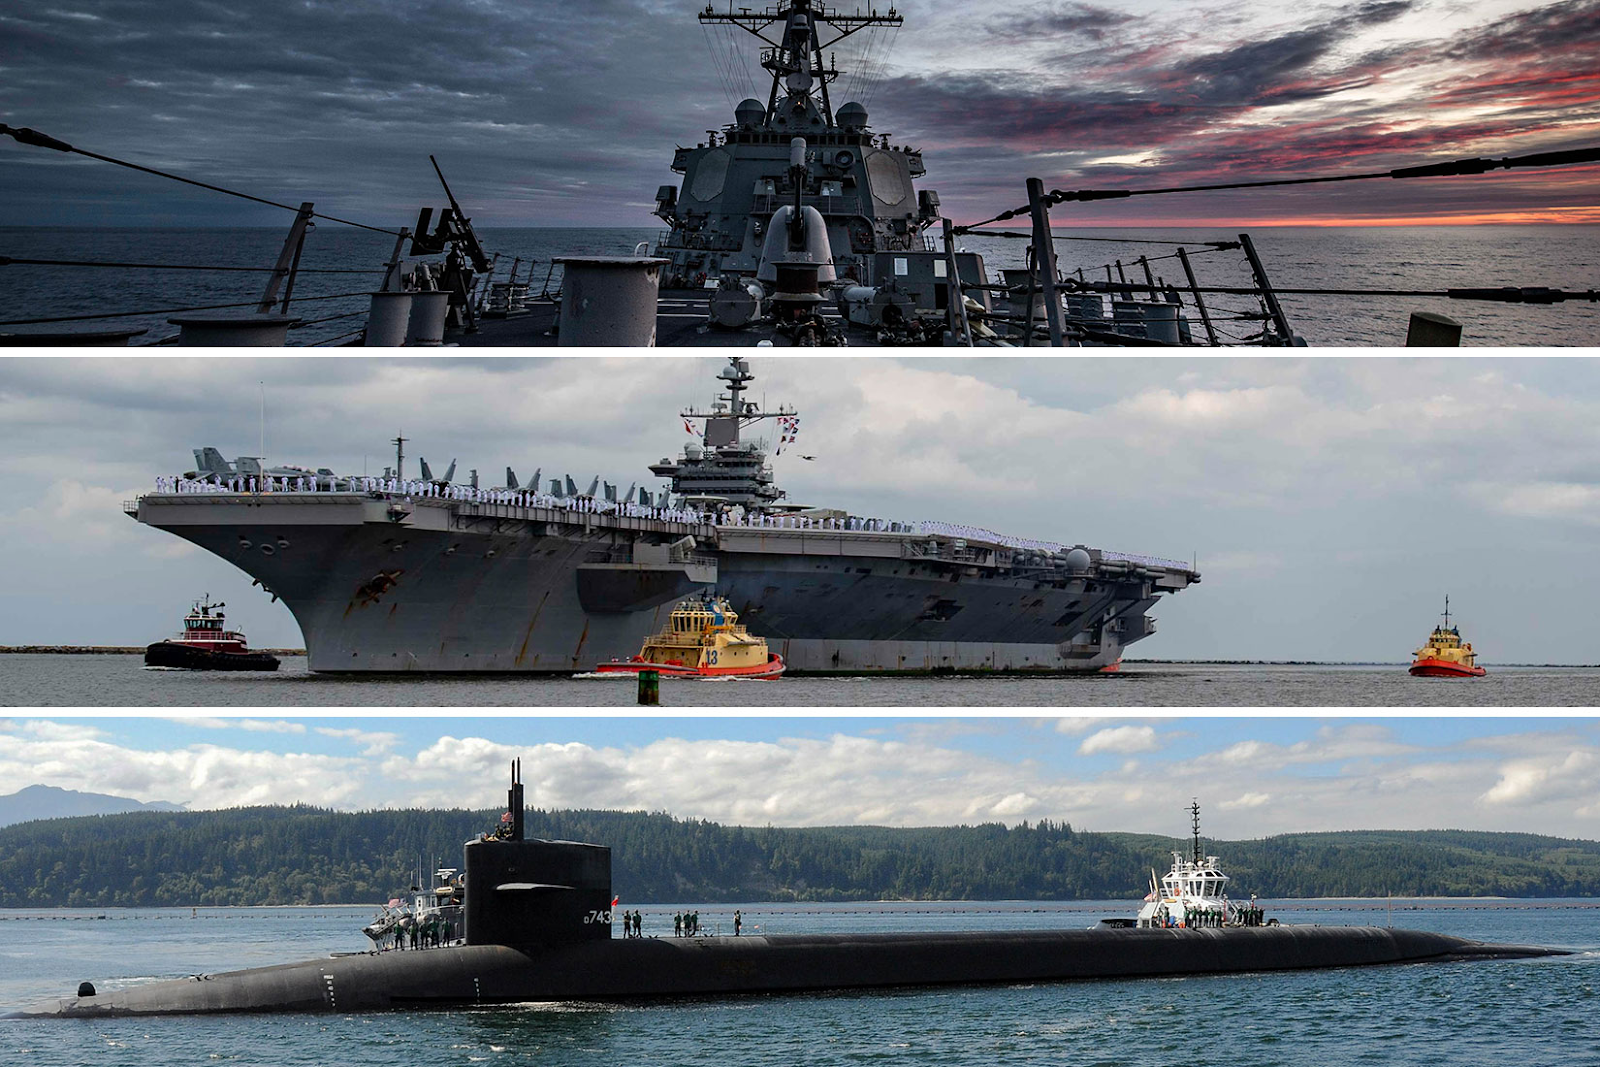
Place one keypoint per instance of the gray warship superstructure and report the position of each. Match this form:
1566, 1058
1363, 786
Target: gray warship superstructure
733, 182
390, 575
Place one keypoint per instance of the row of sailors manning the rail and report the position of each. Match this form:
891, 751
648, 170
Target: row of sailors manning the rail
724, 516
415, 490
684, 924
1227, 915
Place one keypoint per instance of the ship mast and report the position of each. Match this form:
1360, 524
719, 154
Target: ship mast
722, 427
1447, 611
795, 57
1194, 815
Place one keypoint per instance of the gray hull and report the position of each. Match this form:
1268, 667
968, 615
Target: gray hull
652, 967
383, 585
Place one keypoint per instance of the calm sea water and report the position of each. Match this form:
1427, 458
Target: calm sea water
122, 681
1530, 1013
1403, 257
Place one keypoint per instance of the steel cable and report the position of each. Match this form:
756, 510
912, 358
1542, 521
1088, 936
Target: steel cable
27, 136
166, 311
6, 261
1451, 168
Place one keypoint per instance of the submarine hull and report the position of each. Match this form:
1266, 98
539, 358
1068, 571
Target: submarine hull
688, 967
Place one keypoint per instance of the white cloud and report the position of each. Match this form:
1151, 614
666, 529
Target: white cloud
1344, 775
373, 742
1569, 501
198, 776
841, 780
259, 726
276, 726
1120, 739
48, 731
1572, 776
1331, 744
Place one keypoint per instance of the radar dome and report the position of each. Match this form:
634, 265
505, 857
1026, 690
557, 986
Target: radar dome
1078, 561
750, 112
852, 115
694, 451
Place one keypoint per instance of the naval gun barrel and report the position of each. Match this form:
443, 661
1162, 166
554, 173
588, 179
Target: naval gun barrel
480, 259
797, 174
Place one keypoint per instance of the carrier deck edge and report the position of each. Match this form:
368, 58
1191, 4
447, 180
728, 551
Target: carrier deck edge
379, 584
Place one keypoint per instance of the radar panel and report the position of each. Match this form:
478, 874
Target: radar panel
709, 174
888, 180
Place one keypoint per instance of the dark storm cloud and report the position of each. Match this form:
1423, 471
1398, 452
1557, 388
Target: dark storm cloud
515, 98
1065, 20
987, 109
1278, 69
548, 114
1571, 28
1159, 101
1145, 99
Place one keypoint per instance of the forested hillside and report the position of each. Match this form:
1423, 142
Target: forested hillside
303, 855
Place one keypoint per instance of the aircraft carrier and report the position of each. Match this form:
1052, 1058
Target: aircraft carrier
391, 575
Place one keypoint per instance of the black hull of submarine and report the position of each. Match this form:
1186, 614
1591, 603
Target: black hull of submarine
605, 969
538, 928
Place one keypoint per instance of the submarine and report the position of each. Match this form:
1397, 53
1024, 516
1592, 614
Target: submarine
537, 927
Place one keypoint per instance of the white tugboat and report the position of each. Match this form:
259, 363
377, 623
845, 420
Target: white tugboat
435, 915
1194, 893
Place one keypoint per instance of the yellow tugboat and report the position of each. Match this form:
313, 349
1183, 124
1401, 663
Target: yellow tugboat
703, 639
1444, 656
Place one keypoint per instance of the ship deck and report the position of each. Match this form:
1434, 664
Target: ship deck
682, 321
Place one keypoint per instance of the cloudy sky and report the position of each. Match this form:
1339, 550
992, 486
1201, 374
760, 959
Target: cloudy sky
1331, 503
1253, 776
549, 113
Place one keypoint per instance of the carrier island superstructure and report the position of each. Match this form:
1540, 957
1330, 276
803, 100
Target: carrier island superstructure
382, 577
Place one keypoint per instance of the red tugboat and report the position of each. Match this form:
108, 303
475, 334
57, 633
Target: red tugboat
205, 646
703, 639
1444, 656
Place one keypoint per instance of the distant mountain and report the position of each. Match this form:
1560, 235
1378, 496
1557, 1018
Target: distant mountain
48, 802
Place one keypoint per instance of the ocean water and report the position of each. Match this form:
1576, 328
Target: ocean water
41, 680
1400, 257
1532, 1013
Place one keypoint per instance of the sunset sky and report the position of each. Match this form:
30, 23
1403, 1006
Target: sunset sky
566, 114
